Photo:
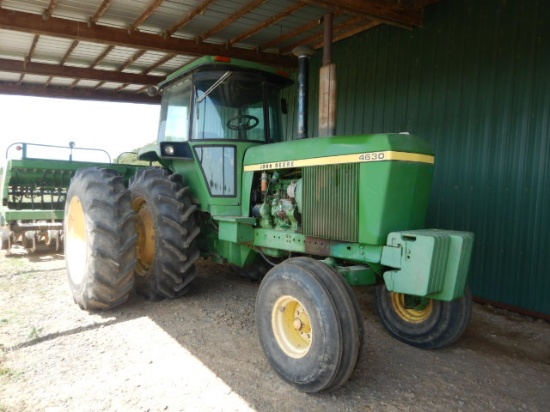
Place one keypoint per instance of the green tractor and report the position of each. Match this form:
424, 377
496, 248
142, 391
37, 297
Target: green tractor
307, 217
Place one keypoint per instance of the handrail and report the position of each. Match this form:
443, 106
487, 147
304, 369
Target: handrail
71, 147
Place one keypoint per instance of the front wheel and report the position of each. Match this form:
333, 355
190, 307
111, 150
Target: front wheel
309, 324
422, 322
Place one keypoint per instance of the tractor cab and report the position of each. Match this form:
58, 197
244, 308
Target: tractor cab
212, 111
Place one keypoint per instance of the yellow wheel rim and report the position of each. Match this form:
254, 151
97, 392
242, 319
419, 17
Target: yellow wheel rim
291, 326
412, 309
145, 229
75, 242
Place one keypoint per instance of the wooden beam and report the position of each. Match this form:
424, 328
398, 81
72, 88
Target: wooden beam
314, 38
351, 32
55, 70
131, 60
100, 11
200, 9
281, 39
233, 18
68, 52
263, 25
160, 62
32, 23
33, 47
102, 56
393, 13
48, 12
145, 15
80, 93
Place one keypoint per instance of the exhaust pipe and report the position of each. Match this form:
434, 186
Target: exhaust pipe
303, 53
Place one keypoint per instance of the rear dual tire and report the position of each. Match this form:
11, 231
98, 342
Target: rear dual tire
115, 237
167, 230
100, 239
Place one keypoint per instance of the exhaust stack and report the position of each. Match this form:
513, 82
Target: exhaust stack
327, 84
303, 53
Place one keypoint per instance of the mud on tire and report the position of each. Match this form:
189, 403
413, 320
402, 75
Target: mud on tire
167, 231
100, 239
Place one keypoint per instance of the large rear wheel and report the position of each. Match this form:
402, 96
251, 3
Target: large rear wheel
422, 322
99, 239
309, 324
167, 231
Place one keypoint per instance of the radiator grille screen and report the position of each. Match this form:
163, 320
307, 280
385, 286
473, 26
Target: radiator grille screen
330, 202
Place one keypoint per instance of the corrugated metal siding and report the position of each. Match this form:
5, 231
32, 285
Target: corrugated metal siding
475, 80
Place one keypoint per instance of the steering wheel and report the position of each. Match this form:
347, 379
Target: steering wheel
242, 122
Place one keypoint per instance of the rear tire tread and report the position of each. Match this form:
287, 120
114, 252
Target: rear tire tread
111, 257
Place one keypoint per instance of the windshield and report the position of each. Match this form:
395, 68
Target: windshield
240, 107
229, 105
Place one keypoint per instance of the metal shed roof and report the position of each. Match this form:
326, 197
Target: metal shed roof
113, 49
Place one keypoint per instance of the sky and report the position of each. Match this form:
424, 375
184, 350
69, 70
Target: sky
114, 127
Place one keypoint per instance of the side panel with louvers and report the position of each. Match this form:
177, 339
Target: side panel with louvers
330, 202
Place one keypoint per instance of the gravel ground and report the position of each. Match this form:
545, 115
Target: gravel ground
202, 353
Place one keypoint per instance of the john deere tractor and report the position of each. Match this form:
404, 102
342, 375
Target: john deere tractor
309, 217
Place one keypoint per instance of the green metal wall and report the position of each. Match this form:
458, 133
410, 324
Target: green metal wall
475, 80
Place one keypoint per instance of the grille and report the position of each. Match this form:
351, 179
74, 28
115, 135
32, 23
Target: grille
330, 202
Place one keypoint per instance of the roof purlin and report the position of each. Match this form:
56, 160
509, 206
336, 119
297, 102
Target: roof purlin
32, 23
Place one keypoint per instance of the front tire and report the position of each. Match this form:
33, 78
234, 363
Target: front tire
100, 239
308, 324
422, 322
167, 231
349, 312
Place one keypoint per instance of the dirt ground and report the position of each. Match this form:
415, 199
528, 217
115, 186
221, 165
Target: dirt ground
202, 353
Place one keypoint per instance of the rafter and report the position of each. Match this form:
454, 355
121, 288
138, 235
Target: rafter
77, 93
165, 59
68, 52
344, 34
100, 11
56, 70
131, 60
48, 12
393, 13
33, 47
278, 17
102, 56
281, 39
145, 15
231, 19
26, 22
314, 38
200, 9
